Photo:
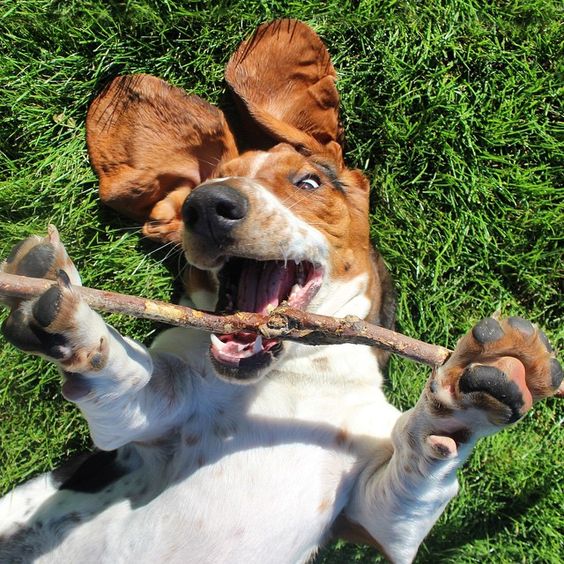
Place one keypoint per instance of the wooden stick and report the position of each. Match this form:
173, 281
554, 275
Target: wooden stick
283, 323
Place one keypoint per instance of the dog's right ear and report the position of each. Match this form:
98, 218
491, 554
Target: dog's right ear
283, 85
150, 144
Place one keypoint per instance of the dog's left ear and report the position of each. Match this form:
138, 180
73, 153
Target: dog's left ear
150, 144
283, 83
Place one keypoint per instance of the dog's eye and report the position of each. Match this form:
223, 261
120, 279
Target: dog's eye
309, 182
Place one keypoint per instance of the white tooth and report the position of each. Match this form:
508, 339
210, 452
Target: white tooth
215, 341
257, 347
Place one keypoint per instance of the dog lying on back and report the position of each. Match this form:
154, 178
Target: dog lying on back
235, 448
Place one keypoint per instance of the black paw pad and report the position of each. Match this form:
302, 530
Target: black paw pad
17, 331
14, 251
487, 331
492, 381
46, 308
31, 338
522, 325
37, 262
556, 374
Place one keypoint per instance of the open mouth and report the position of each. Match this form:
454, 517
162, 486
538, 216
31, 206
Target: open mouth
258, 286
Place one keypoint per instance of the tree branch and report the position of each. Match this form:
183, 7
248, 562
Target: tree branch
283, 323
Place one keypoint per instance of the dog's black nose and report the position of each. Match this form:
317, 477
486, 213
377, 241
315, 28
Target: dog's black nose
213, 211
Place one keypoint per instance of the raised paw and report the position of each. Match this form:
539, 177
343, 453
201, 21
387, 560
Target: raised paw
498, 369
57, 324
40, 257
164, 221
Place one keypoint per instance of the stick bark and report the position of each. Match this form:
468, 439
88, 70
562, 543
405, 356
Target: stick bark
282, 323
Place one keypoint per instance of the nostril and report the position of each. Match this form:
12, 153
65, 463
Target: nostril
190, 215
230, 210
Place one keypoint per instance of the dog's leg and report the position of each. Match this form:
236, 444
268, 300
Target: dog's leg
492, 379
124, 392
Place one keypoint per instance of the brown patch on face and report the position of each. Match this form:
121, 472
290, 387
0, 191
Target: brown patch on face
165, 221
196, 280
337, 208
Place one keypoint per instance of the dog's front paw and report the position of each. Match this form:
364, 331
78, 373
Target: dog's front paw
164, 223
41, 257
496, 372
57, 324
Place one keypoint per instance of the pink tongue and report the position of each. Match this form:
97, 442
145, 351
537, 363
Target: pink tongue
264, 284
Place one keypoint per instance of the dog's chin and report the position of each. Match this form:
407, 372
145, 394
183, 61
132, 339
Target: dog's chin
248, 370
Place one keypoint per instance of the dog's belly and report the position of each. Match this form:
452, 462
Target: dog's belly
272, 503
261, 481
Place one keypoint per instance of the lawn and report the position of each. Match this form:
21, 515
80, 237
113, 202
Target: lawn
451, 107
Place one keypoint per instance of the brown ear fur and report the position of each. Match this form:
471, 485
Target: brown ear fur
283, 83
150, 144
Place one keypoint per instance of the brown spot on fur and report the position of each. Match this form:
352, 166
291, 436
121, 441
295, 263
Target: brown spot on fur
349, 530
341, 437
191, 439
321, 364
324, 505
201, 461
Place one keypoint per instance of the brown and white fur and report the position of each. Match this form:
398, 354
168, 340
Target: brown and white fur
236, 450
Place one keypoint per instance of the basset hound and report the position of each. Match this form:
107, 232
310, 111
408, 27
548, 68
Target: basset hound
234, 448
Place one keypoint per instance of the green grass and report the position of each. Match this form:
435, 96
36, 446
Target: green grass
451, 107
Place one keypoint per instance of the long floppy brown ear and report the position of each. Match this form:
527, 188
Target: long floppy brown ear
150, 144
283, 83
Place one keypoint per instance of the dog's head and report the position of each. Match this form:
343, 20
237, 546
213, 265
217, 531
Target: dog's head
262, 203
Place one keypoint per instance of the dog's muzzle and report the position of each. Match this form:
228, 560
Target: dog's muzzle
213, 211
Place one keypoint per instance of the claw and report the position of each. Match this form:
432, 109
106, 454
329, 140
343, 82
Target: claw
53, 234
556, 374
